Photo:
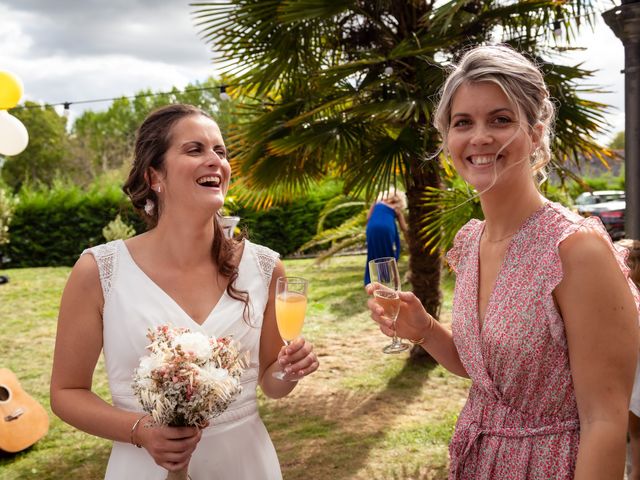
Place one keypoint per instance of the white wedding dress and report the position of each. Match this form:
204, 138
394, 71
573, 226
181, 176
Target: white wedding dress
236, 446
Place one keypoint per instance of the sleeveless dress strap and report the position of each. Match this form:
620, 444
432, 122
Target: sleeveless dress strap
106, 256
266, 259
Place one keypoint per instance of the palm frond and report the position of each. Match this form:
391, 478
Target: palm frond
451, 209
342, 246
334, 205
349, 87
349, 233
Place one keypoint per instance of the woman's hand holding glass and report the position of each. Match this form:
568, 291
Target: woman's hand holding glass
385, 279
296, 357
413, 322
297, 360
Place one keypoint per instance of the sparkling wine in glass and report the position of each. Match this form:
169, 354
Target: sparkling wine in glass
386, 280
291, 306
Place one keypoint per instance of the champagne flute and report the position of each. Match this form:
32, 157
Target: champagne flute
386, 279
291, 305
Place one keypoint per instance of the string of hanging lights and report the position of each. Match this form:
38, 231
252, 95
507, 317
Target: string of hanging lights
222, 89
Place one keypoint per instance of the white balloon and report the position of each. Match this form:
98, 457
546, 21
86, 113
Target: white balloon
13, 134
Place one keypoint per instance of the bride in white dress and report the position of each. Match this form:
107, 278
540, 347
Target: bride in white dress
184, 272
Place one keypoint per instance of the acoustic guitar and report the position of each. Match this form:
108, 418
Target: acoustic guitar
23, 421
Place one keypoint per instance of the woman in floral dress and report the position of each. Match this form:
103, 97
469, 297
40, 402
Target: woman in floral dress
545, 318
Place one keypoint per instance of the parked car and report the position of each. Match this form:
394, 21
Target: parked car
588, 200
608, 205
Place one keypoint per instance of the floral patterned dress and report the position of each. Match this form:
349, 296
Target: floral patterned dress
521, 418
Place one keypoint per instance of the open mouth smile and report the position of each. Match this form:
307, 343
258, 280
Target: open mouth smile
481, 160
210, 181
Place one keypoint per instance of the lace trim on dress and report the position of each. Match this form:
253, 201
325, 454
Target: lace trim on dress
266, 261
106, 257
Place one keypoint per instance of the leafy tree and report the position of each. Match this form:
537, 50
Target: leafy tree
106, 138
46, 155
618, 141
349, 87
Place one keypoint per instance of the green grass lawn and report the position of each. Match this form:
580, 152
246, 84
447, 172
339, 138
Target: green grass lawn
363, 415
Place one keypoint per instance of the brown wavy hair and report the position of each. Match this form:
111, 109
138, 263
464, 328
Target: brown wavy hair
153, 139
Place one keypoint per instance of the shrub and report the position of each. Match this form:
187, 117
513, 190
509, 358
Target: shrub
118, 230
606, 181
6, 212
52, 226
286, 227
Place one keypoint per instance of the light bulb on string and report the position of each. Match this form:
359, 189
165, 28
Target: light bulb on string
224, 96
388, 70
66, 112
557, 29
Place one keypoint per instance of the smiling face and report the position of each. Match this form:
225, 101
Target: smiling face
196, 170
487, 141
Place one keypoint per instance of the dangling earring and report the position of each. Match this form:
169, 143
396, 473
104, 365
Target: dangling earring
535, 157
149, 206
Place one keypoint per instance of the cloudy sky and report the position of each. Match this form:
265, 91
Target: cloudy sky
76, 50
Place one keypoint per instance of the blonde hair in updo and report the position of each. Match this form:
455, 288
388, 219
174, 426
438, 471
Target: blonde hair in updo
520, 80
396, 198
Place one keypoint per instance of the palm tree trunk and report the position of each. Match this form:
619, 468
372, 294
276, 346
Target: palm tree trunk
424, 267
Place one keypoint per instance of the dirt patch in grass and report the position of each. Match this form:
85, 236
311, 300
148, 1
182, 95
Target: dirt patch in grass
365, 414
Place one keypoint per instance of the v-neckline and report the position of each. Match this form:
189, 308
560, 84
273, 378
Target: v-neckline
171, 299
480, 323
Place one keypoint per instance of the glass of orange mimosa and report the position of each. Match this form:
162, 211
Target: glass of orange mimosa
386, 280
291, 306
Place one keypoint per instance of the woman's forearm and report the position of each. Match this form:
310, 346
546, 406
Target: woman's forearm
87, 412
439, 343
272, 387
602, 451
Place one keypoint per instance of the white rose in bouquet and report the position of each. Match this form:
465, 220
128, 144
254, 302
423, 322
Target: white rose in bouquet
195, 343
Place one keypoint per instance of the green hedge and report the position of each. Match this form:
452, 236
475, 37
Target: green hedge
284, 228
51, 227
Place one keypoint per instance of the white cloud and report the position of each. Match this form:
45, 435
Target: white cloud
64, 51
150, 30
604, 53
14, 42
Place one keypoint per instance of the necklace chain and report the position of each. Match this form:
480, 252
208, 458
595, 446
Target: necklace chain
500, 239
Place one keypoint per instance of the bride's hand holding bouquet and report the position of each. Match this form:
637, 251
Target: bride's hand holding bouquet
186, 380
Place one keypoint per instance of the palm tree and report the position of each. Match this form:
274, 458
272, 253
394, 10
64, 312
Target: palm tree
347, 88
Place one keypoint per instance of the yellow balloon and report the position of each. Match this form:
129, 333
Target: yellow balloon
11, 90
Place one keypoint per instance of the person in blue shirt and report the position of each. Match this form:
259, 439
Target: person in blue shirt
383, 238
